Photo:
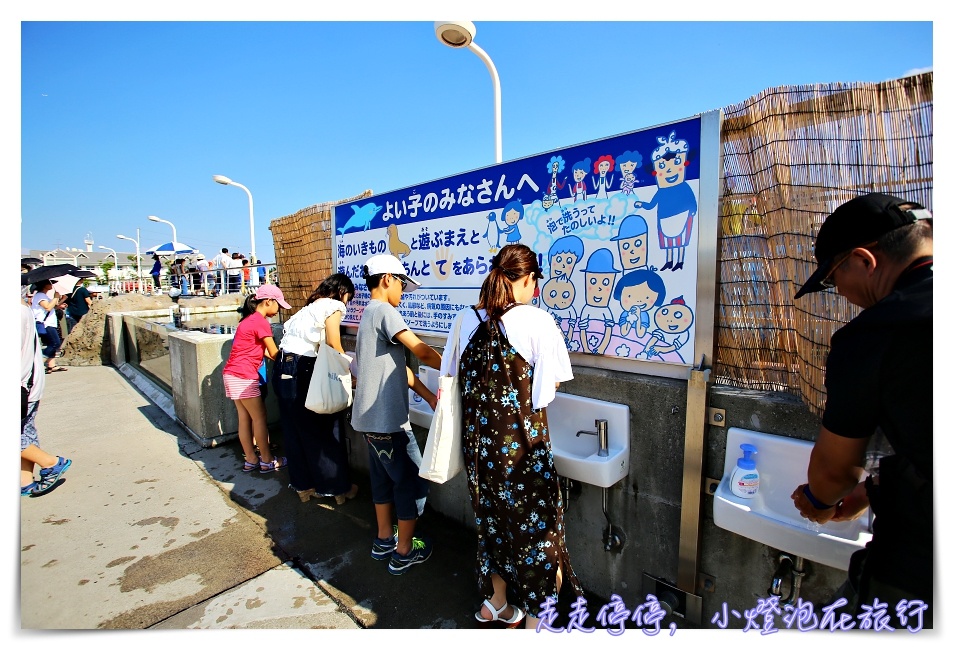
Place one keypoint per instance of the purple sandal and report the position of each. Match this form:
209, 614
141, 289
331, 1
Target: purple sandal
278, 463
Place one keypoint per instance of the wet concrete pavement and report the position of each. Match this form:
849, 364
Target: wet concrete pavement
150, 530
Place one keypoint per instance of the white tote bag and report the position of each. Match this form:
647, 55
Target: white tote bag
443, 457
330, 388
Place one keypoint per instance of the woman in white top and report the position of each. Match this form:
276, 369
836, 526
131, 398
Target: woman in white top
44, 312
315, 443
512, 358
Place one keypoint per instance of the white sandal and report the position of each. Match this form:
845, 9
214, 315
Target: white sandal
513, 621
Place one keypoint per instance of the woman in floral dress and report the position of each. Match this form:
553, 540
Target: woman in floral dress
512, 358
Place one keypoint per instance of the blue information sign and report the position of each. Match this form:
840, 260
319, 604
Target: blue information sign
613, 222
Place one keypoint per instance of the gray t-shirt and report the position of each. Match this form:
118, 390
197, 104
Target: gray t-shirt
380, 397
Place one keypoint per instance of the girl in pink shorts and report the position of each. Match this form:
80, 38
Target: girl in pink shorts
253, 341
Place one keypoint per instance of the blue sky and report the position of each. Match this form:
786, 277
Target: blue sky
120, 120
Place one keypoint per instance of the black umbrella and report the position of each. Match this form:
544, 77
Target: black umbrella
49, 272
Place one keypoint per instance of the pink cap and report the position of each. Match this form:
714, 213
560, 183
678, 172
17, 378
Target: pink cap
273, 292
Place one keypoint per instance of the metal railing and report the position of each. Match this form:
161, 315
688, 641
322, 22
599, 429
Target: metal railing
200, 283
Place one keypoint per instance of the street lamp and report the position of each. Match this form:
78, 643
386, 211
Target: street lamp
461, 33
114, 257
138, 261
175, 240
225, 180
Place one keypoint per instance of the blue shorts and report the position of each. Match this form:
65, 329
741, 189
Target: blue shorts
395, 460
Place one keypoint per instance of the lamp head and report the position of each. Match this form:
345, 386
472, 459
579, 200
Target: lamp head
455, 33
222, 180
153, 218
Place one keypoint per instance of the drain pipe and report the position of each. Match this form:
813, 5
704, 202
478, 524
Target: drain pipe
613, 537
792, 566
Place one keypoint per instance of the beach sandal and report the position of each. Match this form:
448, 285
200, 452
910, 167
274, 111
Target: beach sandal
350, 494
280, 462
304, 495
511, 623
55, 369
249, 467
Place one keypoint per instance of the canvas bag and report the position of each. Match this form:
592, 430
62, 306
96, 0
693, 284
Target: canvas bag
443, 457
329, 390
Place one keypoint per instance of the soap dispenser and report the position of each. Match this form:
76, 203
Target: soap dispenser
745, 478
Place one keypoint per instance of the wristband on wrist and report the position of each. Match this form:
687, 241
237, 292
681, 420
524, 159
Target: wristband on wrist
815, 502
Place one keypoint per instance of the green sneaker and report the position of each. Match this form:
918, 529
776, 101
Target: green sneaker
421, 550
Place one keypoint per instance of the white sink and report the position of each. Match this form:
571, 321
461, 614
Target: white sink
575, 457
419, 412
771, 517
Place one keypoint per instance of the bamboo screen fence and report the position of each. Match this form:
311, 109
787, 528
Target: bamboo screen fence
303, 253
791, 155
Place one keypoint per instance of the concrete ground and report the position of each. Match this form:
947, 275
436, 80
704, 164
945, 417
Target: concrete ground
150, 530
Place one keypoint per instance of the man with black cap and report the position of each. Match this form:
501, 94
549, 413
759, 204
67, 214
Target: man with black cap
877, 250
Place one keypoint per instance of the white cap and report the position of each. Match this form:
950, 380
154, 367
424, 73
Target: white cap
378, 264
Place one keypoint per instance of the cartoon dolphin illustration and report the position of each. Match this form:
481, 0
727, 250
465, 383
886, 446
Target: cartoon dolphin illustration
362, 216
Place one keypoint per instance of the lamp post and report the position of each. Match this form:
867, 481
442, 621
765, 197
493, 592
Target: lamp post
138, 261
460, 33
175, 240
225, 180
116, 259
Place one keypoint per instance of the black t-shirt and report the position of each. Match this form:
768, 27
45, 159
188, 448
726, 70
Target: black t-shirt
76, 305
880, 375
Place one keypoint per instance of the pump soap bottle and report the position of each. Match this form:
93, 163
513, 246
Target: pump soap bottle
745, 478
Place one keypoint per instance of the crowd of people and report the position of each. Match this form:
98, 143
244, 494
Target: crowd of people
513, 484
224, 273
511, 357
876, 250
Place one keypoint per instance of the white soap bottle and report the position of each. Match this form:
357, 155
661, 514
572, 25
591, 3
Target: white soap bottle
745, 478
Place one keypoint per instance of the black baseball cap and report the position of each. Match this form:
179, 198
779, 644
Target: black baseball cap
860, 221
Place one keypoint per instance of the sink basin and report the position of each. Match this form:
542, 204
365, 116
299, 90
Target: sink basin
575, 457
770, 517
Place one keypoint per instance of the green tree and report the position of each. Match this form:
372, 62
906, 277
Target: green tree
105, 267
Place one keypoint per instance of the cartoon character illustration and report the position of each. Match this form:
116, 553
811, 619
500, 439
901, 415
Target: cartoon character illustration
602, 166
578, 188
563, 255
632, 240
674, 201
395, 246
557, 295
672, 322
555, 166
512, 213
638, 291
492, 221
362, 216
628, 162
598, 277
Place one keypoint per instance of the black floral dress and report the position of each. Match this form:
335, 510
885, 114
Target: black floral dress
514, 487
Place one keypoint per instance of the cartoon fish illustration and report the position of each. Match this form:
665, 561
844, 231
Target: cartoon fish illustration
362, 216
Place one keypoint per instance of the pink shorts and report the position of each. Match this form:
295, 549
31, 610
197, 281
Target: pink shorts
238, 388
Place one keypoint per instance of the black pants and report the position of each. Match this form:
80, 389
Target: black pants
315, 443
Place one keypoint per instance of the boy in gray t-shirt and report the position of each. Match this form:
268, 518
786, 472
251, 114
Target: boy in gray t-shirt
380, 412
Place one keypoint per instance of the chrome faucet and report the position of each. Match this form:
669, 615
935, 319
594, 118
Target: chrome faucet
601, 434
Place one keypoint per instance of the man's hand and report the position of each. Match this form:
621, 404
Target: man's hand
808, 510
